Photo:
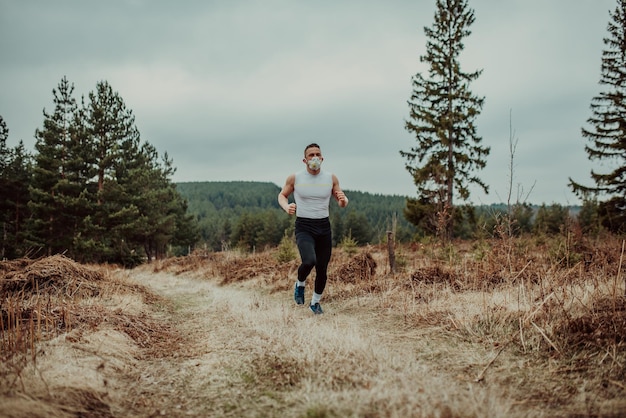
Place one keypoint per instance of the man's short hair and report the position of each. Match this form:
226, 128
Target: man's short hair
313, 145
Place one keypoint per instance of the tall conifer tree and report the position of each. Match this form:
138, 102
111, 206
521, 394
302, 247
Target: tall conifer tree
14, 195
18, 173
606, 133
57, 203
111, 128
442, 119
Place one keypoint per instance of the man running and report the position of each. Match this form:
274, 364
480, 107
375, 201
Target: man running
312, 189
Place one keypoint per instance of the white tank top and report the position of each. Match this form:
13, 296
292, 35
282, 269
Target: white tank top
312, 194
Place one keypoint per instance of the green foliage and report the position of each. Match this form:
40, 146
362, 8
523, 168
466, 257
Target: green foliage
588, 216
225, 210
358, 227
552, 219
563, 251
287, 250
56, 205
505, 220
606, 131
98, 192
421, 214
349, 245
428, 220
377, 212
15, 173
442, 119
612, 214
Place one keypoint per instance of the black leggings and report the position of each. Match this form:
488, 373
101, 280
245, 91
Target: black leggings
315, 242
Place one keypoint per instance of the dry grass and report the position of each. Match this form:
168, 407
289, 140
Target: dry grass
520, 327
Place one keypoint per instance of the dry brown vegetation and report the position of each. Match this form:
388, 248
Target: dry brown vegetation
513, 327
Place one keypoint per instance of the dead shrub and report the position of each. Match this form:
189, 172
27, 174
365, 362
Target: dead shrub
38, 297
360, 267
436, 275
183, 264
245, 268
55, 275
602, 326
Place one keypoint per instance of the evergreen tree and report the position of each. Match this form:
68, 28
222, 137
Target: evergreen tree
17, 176
521, 215
606, 134
112, 126
358, 227
187, 231
551, 219
442, 115
224, 234
115, 142
153, 199
15, 166
587, 218
246, 231
273, 229
336, 220
58, 202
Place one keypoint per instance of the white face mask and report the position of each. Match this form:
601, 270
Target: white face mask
314, 163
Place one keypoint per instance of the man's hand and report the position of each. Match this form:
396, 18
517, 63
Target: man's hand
291, 209
341, 198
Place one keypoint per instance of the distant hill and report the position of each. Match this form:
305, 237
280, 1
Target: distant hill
229, 196
219, 206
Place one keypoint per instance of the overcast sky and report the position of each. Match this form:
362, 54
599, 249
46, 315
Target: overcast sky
234, 90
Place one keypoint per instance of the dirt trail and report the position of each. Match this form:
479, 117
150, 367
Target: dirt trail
249, 353
189, 346
222, 337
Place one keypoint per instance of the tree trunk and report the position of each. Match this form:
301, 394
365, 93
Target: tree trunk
390, 249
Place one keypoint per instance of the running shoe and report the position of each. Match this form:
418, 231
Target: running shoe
316, 308
298, 294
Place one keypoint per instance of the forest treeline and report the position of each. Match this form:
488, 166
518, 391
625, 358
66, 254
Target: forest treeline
246, 214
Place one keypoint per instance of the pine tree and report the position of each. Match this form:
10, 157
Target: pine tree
15, 167
358, 227
115, 140
606, 134
58, 193
18, 175
145, 180
442, 118
110, 124
187, 232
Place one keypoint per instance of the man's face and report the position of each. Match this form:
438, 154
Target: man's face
312, 152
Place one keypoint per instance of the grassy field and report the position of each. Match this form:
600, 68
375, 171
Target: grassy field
514, 327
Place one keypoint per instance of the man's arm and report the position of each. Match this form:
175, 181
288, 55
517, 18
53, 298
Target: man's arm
283, 196
339, 195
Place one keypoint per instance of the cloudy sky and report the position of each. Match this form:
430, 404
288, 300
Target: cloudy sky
234, 90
